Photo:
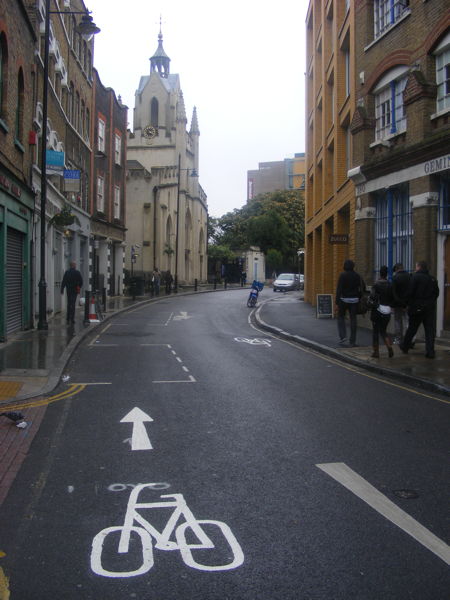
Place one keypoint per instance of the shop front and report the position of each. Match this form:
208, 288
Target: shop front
16, 212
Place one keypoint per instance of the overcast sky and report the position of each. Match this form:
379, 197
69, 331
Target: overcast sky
241, 63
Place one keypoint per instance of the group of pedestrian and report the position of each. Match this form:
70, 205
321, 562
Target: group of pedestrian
411, 299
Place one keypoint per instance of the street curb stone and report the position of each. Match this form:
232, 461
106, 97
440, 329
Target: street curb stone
424, 384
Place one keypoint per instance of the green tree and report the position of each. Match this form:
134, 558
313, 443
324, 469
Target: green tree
274, 220
269, 230
274, 259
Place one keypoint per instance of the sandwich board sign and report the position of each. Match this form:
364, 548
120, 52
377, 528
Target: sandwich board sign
324, 306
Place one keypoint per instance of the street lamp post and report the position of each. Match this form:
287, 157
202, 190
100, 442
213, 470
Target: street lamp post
87, 28
192, 174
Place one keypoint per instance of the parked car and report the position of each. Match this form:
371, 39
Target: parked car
286, 282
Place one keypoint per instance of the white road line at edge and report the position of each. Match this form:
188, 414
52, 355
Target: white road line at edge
364, 490
190, 380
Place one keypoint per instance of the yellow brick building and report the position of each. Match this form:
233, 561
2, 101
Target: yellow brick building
330, 103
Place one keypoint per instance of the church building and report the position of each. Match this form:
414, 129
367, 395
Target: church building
167, 210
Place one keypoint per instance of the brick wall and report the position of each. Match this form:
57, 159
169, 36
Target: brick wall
18, 42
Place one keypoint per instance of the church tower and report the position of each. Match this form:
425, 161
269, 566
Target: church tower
166, 207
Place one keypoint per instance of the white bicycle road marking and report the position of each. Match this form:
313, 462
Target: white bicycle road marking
254, 341
162, 539
364, 490
182, 316
122, 487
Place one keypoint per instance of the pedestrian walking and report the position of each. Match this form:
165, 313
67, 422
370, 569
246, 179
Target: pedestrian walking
350, 289
400, 289
156, 281
72, 282
422, 296
381, 298
169, 281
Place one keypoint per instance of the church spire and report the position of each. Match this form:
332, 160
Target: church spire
194, 123
160, 62
181, 109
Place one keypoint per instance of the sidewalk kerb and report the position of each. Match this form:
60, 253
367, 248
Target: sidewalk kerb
425, 384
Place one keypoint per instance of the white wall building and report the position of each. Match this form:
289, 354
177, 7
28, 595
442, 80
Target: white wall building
166, 206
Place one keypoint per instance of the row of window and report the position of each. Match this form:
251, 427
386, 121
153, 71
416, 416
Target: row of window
390, 114
101, 197
101, 136
386, 13
20, 95
394, 224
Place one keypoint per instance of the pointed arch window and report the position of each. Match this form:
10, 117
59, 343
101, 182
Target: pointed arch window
20, 106
154, 110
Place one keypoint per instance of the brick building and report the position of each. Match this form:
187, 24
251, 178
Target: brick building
401, 139
17, 73
330, 103
68, 143
108, 195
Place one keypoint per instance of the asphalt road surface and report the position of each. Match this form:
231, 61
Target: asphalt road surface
204, 459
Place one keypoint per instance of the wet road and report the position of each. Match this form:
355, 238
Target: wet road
203, 459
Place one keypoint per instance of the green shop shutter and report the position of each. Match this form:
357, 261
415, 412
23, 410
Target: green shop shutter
14, 290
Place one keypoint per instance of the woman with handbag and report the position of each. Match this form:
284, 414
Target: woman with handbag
380, 301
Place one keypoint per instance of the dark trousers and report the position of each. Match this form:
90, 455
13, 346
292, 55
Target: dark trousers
379, 326
426, 317
71, 302
342, 309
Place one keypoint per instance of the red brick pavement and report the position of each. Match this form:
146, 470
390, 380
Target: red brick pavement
15, 444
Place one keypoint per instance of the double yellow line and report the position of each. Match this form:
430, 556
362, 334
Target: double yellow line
72, 390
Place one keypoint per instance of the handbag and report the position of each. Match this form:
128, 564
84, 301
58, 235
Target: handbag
363, 305
373, 301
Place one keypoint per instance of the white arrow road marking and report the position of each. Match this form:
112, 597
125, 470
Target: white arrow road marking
182, 315
139, 437
364, 490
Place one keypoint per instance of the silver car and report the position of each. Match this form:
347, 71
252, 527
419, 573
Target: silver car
286, 282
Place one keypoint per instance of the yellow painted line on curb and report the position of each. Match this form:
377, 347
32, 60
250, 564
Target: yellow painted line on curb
4, 586
343, 365
73, 389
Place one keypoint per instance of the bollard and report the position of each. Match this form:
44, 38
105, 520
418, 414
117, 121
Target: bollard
195, 285
86, 307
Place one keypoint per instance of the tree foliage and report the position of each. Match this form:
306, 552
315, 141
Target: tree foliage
272, 221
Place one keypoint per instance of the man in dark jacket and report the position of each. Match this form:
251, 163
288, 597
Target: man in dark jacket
400, 290
422, 296
72, 282
350, 288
